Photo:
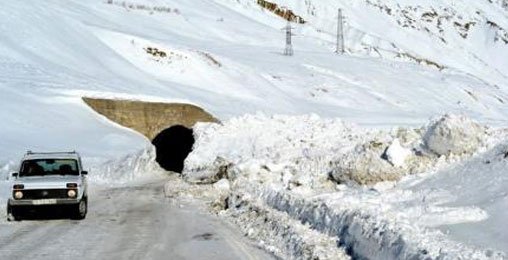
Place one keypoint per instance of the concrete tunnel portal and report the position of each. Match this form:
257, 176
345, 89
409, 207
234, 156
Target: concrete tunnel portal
167, 125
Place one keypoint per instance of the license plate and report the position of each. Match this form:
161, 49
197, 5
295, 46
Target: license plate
44, 202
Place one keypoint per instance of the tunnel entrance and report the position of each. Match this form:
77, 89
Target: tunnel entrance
172, 146
152, 119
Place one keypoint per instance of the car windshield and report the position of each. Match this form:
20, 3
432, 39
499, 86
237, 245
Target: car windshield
41, 167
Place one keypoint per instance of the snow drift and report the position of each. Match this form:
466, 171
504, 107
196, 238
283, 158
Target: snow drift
307, 150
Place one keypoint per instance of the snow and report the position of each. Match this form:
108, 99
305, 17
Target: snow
371, 226
131, 168
258, 134
453, 34
481, 181
278, 233
95, 49
313, 127
285, 163
453, 135
222, 185
396, 154
304, 149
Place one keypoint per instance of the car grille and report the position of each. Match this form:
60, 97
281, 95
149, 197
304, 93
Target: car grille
45, 194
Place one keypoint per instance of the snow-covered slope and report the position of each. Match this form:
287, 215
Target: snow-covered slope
471, 36
222, 55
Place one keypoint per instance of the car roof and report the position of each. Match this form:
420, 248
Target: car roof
53, 155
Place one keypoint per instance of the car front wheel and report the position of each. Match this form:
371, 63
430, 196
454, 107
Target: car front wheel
12, 213
80, 209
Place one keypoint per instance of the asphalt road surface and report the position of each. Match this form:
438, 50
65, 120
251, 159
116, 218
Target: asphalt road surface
127, 223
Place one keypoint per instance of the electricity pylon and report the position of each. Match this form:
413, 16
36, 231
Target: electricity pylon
288, 51
340, 33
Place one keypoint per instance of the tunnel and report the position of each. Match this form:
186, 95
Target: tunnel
167, 125
172, 146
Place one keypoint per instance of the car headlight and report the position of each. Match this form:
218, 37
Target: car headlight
71, 193
18, 195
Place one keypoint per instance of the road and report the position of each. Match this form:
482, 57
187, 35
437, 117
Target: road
127, 223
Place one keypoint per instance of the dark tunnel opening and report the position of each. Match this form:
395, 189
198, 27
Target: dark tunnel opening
172, 146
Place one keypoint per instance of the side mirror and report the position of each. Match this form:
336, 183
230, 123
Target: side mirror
84, 173
15, 174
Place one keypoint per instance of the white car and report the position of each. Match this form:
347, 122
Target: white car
49, 179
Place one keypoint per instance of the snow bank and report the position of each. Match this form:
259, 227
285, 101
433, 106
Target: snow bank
480, 182
277, 143
452, 134
139, 166
277, 232
411, 152
370, 230
6, 169
365, 223
311, 170
307, 150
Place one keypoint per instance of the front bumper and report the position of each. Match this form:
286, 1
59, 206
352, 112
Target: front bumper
42, 202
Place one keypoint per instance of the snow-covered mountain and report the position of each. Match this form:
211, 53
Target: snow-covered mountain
405, 61
226, 56
470, 36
